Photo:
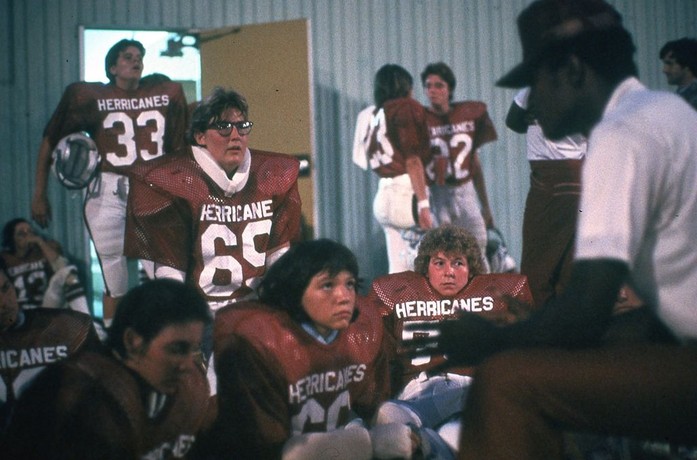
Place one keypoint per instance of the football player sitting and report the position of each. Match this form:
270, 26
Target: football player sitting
302, 368
447, 282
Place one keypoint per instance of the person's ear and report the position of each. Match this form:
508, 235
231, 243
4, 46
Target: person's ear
133, 342
200, 138
575, 71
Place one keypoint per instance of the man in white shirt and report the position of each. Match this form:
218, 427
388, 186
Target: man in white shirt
638, 220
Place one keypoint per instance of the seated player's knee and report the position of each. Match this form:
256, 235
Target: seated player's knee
396, 412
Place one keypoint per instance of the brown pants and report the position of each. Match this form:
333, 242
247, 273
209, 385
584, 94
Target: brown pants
521, 402
549, 226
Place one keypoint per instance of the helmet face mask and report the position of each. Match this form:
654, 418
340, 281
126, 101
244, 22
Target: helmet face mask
75, 160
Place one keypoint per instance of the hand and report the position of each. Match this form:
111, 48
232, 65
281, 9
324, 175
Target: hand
33, 238
466, 340
41, 211
517, 310
394, 440
425, 219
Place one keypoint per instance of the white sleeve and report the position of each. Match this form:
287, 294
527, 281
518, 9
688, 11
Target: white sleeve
352, 442
521, 98
360, 156
164, 271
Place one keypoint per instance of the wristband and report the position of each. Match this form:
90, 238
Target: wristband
423, 204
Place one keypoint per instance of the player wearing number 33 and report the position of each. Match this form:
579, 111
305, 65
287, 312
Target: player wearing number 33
218, 215
297, 367
131, 124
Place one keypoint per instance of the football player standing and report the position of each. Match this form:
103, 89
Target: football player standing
392, 140
457, 131
130, 125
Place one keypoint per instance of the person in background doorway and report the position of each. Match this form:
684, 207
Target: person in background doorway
131, 125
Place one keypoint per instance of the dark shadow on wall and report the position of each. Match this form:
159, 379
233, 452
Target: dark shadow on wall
344, 191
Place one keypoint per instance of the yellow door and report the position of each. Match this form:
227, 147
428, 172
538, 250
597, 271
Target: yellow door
270, 65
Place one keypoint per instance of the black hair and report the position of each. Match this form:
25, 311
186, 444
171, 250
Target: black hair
212, 108
285, 282
444, 71
684, 51
609, 52
391, 82
154, 305
113, 54
8, 233
154, 79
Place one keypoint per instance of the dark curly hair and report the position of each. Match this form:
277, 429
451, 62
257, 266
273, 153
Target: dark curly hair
449, 239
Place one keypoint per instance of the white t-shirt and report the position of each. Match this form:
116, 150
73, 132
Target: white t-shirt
541, 148
639, 199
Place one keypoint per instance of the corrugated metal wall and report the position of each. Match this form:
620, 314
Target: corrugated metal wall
351, 39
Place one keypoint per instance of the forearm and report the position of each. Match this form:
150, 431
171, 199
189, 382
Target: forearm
54, 257
43, 167
415, 170
478, 180
580, 315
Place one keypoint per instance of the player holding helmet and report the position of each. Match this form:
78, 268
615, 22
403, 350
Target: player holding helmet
392, 140
130, 124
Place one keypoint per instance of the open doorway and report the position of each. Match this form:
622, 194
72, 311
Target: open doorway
168, 52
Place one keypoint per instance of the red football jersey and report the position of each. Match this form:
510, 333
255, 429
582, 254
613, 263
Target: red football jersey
41, 337
408, 298
94, 403
456, 135
275, 380
129, 127
180, 217
30, 274
395, 132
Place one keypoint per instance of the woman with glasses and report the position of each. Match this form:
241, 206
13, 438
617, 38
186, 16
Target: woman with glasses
220, 213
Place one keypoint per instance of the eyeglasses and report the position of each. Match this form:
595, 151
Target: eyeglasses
224, 128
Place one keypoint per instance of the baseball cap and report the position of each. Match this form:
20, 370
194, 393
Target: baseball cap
546, 23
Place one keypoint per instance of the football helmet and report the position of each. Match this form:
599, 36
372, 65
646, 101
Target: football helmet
75, 160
